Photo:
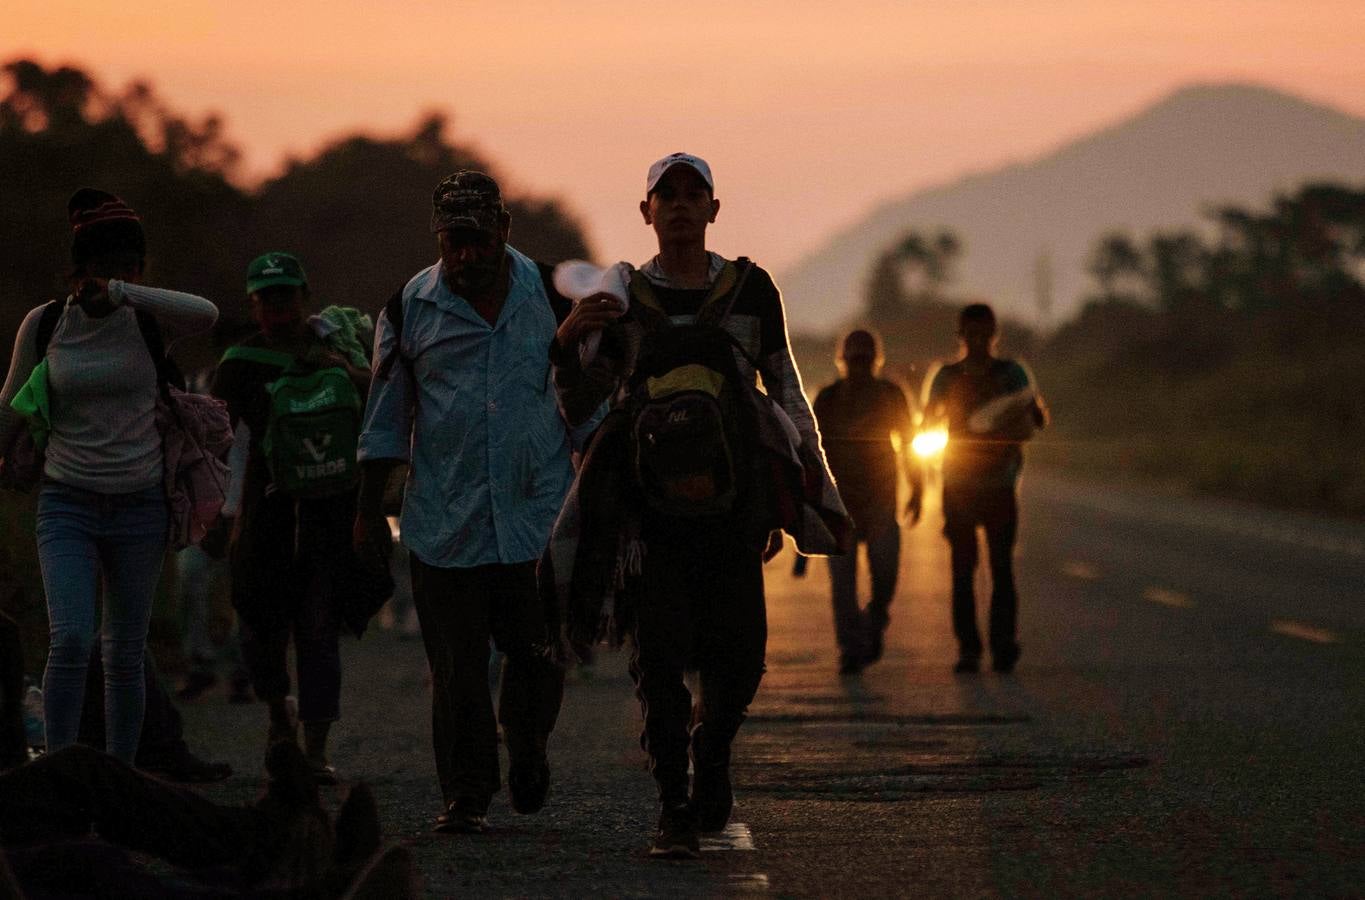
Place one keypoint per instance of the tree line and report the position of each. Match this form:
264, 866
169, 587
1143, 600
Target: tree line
355, 212
1223, 358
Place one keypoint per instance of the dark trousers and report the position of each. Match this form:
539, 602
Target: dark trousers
701, 608
61, 795
283, 565
996, 510
851, 623
459, 610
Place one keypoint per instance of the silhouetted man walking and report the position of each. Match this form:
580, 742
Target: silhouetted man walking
991, 407
866, 426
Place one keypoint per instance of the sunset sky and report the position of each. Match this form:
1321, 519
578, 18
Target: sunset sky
811, 113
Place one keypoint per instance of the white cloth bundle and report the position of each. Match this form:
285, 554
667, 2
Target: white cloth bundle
577, 279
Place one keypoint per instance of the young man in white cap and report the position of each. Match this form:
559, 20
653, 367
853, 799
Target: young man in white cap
697, 601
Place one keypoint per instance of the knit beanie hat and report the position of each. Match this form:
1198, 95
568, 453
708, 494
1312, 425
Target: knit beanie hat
103, 224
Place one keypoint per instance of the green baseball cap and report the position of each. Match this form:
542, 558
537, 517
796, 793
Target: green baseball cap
270, 269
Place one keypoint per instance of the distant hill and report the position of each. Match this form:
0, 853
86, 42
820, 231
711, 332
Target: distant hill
1201, 147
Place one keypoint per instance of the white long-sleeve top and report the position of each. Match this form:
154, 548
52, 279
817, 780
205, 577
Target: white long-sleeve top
102, 386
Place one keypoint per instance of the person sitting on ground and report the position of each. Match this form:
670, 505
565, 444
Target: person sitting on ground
282, 845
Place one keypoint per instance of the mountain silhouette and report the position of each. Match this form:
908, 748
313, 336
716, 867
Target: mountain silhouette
1199, 148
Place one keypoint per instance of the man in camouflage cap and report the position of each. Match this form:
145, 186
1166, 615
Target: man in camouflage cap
461, 394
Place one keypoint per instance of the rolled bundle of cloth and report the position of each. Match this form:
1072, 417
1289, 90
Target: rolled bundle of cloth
577, 279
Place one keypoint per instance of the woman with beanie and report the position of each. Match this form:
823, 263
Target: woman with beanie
101, 508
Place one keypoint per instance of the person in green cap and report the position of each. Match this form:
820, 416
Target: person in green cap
300, 401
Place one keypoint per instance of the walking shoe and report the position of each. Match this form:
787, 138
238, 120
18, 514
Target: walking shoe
1003, 660
183, 767
527, 787
462, 816
677, 837
967, 665
712, 797
324, 772
196, 685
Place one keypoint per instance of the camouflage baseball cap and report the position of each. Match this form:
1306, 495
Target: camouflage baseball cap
467, 200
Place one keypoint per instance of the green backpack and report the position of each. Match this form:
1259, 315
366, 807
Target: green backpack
312, 426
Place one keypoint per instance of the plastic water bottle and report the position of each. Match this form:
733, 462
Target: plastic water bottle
33, 717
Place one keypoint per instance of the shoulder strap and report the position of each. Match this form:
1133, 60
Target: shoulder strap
168, 374
393, 311
47, 324
259, 355
717, 308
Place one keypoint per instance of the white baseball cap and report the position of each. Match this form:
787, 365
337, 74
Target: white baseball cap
657, 170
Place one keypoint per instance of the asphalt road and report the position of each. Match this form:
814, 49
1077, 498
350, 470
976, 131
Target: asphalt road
1188, 718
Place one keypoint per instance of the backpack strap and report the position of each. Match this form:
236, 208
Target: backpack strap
259, 355
47, 324
393, 311
724, 295
168, 374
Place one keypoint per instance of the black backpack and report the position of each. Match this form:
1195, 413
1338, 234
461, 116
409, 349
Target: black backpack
690, 439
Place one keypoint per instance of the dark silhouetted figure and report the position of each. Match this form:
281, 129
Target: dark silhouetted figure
283, 845
688, 535
461, 391
291, 544
990, 406
866, 427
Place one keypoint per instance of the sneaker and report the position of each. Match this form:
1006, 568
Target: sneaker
184, 767
527, 790
324, 773
462, 816
967, 665
1003, 660
713, 798
677, 837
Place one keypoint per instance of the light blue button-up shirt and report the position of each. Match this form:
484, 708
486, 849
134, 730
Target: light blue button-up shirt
472, 408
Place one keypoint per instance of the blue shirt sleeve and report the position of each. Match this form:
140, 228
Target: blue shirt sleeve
387, 427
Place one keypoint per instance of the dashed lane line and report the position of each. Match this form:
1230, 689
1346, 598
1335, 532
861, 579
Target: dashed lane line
756, 883
1303, 631
736, 836
1167, 597
1081, 570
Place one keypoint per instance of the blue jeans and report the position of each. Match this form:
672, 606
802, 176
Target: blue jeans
81, 536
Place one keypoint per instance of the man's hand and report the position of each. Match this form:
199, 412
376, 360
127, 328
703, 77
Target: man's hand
371, 539
592, 313
915, 505
774, 545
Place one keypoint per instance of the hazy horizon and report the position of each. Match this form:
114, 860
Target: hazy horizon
808, 121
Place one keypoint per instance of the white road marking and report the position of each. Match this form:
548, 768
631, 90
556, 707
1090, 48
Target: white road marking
1082, 570
755, 883
1167, 597
736, 836
1305, 632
